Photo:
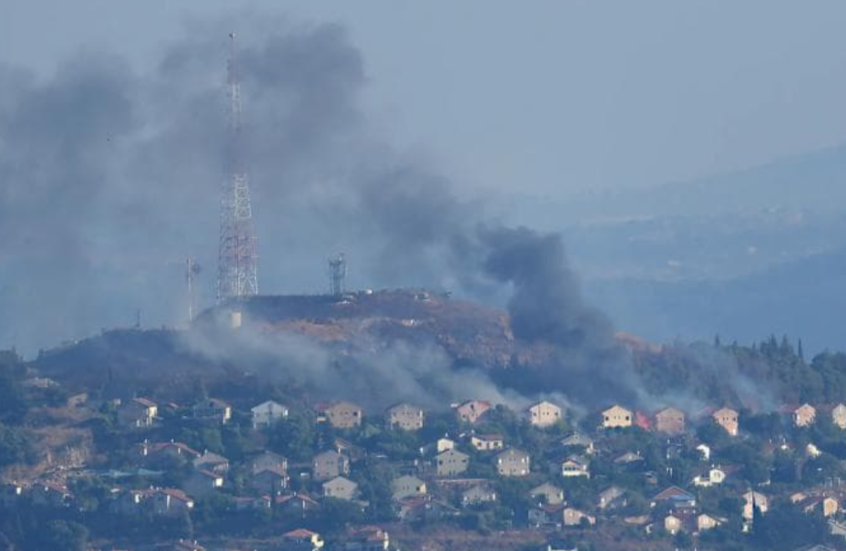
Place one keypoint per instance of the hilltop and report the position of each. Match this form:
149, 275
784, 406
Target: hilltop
355, 325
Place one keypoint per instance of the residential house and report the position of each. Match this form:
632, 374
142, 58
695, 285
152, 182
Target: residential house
628, 458
423, 508
711, 477
675, 497
670, 421
170, 503
611, 497
202, 484
513, 462
271, 480
578, 440
354, 452
50, 494
211, 462
328, 465
476, 495
751, 500
407, 486
295, 505
129, 503
167, 453
451, 463
543, 414
838, 416
575, 517
367, 538
340, 488
441, 445
302, 540
706, 522
575, 466
673, 524
804, 415
212, 410
268, 460
487, 442
404, 417
837, 528
547, 493
341, 415
261, 503
137, 413
560, 545
727, 418
545, 514
617, 417
267, 414
472, 410
827, 505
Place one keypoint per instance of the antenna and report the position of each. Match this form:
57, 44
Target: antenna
237, 258
337, 274
192, 270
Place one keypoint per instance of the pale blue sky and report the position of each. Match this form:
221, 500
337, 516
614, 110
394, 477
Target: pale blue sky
545, 96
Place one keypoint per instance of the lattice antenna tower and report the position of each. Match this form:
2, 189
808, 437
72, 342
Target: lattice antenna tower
337, 274
237, 256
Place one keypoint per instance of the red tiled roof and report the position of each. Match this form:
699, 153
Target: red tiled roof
176, 494
299, 533
144, 402
284, 499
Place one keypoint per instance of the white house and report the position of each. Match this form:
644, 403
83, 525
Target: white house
268, 413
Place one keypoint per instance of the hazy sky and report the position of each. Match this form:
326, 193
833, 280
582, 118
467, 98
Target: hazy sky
545, 96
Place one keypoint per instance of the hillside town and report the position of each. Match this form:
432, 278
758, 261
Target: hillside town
230, 472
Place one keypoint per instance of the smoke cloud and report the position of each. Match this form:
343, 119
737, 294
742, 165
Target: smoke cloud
546, 305
110, 178
399, 372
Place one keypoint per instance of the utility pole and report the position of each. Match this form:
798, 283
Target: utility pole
192, 270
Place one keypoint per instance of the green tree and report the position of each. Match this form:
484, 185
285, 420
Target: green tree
295, 437
61, 535
13, 404
336, 514
787, 528
14, 445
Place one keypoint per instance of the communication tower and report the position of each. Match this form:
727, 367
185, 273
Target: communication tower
237, 257
337, 274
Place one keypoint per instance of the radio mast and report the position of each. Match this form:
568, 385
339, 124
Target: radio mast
237, 257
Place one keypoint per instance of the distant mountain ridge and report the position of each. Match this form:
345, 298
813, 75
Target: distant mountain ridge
813, 181
743, 254
804, 299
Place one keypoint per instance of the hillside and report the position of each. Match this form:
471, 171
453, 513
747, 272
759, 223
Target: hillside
299, 336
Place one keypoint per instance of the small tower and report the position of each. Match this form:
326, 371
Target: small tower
192, 270
337, 274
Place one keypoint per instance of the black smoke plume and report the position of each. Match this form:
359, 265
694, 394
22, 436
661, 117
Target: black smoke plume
546, 305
